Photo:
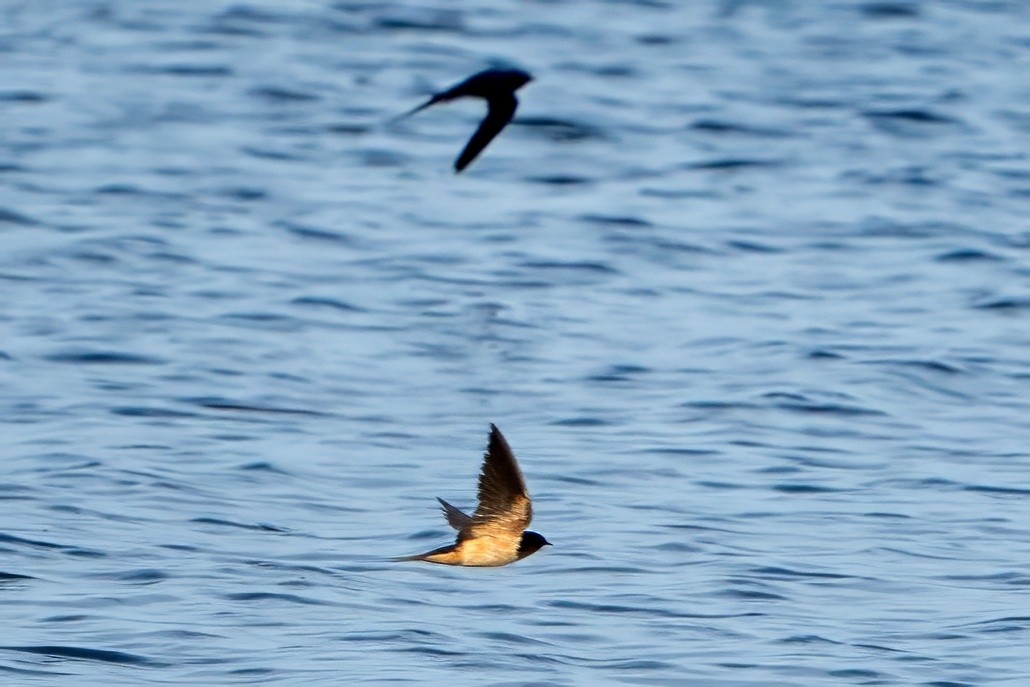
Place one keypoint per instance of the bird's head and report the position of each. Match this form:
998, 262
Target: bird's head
531, 543
514, 78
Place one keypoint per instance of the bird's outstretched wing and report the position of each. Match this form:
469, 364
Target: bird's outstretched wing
504, 509
456, 518
500, 110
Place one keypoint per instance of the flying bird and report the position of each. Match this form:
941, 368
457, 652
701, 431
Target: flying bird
497, 87
496, 533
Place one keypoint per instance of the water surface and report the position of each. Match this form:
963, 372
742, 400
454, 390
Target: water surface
745, 285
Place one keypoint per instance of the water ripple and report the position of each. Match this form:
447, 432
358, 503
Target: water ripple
88, 654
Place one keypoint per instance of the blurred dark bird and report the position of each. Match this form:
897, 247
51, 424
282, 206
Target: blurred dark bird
497, 87
496, 533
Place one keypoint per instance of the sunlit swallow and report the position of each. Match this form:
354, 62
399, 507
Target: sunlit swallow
496, 533
497, 87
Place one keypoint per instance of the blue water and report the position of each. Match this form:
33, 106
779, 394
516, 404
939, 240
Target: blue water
746, 285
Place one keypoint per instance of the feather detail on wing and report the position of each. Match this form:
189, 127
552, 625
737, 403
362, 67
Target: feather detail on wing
456, 518
504, 509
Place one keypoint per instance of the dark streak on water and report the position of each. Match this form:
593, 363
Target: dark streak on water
74, 652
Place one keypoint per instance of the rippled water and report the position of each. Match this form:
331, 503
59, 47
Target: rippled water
745, 285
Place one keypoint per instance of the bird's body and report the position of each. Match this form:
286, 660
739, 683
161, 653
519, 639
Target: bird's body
497, 87
496, 533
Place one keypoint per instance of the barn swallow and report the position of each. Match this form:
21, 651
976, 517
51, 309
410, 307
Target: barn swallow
497, 87
496, 533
